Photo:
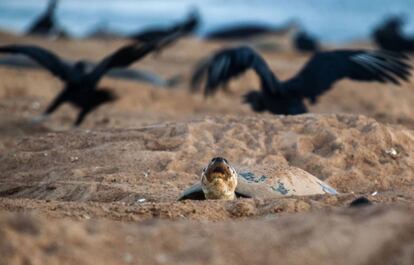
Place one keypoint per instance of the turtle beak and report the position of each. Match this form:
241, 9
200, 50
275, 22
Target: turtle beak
218, 170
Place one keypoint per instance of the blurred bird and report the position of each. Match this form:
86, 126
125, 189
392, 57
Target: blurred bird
389, 36
102, 31
360, 202
185, 27
80, 85
316, 77
305, 43
250, 30
45, 24
22, 62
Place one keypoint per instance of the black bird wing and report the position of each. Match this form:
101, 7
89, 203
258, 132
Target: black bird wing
190, 24
325, 68
127, 55
230, 63
185, 27
199, 73
45, 58
45, 22
151, 34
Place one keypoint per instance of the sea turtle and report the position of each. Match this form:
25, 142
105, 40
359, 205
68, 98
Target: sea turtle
220, 180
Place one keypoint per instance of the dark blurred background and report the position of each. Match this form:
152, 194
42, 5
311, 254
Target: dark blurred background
332, 21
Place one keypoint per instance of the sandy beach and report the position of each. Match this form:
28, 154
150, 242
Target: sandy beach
106, 192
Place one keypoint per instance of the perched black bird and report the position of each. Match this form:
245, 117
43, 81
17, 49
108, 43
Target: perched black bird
305, 43
45, 24
80, 85
360, 202
102, 31
389, 36
186, 27
316, 77
250, 30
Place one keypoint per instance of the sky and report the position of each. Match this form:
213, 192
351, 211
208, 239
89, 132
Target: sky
331, 20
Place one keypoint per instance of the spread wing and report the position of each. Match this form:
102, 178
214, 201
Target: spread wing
199, 73
185, 27
325, 68
230, 63
190, 24
43, 57
127, 55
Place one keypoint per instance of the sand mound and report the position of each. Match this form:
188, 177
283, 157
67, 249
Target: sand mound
351, 153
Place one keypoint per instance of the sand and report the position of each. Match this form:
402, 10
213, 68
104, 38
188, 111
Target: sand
105, 193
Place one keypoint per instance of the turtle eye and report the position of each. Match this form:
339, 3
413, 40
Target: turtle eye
204, 169
225, 160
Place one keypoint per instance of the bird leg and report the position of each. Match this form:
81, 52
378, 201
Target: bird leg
56, 103
81, 117
50, 109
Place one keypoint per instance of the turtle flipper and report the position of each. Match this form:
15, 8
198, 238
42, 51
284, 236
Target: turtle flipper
195, 192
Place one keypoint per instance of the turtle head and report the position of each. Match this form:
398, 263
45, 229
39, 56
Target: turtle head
219, 180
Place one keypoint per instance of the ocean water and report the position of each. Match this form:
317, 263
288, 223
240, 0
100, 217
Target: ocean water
331, 20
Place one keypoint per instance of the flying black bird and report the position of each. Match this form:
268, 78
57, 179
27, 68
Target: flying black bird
186, 27
20, 62
80, 85
316, 77
389, 36
45, 24
305, 43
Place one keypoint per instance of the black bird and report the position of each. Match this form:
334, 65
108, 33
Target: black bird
20, 62
389, 36
360, 202
250, 30
186, 27
80, 85
45, 24
305, 43
316, 77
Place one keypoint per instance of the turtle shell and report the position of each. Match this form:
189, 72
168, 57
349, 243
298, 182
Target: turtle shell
270, 183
